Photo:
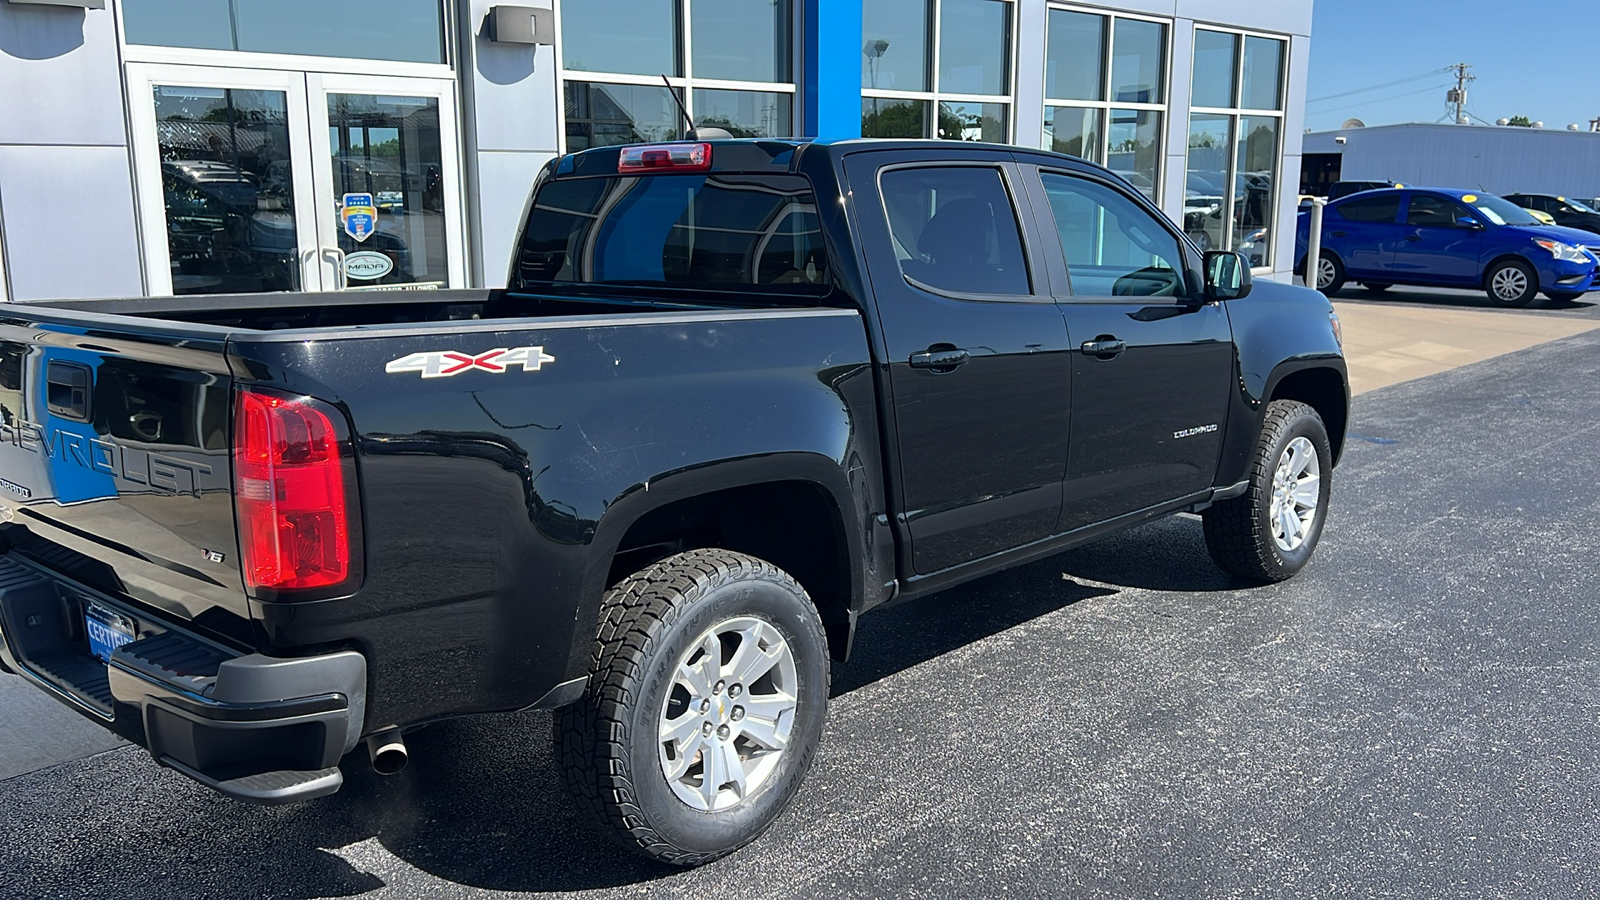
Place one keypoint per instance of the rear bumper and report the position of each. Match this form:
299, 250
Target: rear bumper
257, 728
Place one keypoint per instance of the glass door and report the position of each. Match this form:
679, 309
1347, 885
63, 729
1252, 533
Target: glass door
223, 168
383, 154
252, 181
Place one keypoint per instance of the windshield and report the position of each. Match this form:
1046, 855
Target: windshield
1498, 210
706, 232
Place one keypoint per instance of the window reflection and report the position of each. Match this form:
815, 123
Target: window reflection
1214, 67
1138, 67
1257, 162
744, 114
604, 115
1075, 56
895, 52
1135, 147
630, 37
400, 30
1207, 193
885, 118
973, 122
1074, 131
975, 38
737, 40
228, 189
1263, 74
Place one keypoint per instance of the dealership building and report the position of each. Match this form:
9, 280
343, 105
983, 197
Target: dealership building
158, 147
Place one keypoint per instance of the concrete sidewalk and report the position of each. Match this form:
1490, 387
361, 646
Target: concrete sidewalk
1386, 345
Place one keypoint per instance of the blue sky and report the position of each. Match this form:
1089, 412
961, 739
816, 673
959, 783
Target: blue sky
1532, 59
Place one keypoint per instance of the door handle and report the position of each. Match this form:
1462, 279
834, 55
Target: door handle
940, 358
1338, 233
337, 257
1104, 347
1414, 236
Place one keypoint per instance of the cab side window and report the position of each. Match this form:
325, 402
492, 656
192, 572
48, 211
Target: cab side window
1371, 209
955, 230
1113, 247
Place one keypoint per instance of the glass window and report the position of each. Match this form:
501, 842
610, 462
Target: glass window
1135, 147
886, 118
202, 24
391, 147
737, 40
1207, 192
1428, 211
1139, 62
954, 229
1214, 68
895, 55
744, 114
400, 30
1257, 167
228, 188
1075, 57
1113, 247
1074, 130
631, 37
1380, 209
761, 233
973, 122
1263, 74
975, 38
603, 115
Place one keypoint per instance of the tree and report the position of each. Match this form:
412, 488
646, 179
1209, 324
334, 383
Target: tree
1520, 122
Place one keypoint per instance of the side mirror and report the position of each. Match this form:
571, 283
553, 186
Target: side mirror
1227, 276
1468, 222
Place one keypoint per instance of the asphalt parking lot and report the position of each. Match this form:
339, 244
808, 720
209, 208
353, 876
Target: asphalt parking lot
1414, 716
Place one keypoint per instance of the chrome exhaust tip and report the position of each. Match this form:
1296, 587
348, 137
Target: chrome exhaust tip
388, 752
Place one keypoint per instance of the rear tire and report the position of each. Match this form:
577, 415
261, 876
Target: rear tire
1330, 274
640, 746
1269, 533
1511, 283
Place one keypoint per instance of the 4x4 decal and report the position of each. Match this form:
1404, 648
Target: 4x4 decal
445, 363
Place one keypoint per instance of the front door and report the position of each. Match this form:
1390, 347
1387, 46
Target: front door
978, 370
1432, 246
244, 179
1152, 371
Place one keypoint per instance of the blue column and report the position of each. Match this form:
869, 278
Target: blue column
831, 90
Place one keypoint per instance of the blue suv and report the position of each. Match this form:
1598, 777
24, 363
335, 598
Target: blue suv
1442, 238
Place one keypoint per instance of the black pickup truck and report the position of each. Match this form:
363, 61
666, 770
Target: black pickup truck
736, 394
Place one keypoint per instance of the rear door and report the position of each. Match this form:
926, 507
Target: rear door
978, 370
1433, 246
114, 462
1151, 371
1363, 231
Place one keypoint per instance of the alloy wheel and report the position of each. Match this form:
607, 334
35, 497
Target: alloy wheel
1296, 494
726, 721
1509, 284
1325, 272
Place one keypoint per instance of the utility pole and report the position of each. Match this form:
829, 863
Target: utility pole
1457, 96
1594, 124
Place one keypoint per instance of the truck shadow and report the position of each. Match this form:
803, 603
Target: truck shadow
482, 804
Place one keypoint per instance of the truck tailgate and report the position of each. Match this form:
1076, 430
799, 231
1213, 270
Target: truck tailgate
115, 467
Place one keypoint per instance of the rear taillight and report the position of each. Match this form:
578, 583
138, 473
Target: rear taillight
289, 485
664, 158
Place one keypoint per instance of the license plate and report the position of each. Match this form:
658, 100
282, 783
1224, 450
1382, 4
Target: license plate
107, 631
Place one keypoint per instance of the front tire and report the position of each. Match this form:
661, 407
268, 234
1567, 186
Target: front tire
1511, 283
1269, 533
705, 703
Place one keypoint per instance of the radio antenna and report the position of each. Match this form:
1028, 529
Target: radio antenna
681, 108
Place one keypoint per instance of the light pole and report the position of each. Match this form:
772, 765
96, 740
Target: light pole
873, 50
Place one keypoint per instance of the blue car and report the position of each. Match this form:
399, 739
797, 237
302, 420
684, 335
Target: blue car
1445, 238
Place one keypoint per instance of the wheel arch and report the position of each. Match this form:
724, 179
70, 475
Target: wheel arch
789, 512
1489, 267
1324, 390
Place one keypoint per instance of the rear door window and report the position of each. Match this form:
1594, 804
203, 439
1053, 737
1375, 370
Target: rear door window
751, 233
1384, 209
955, 230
